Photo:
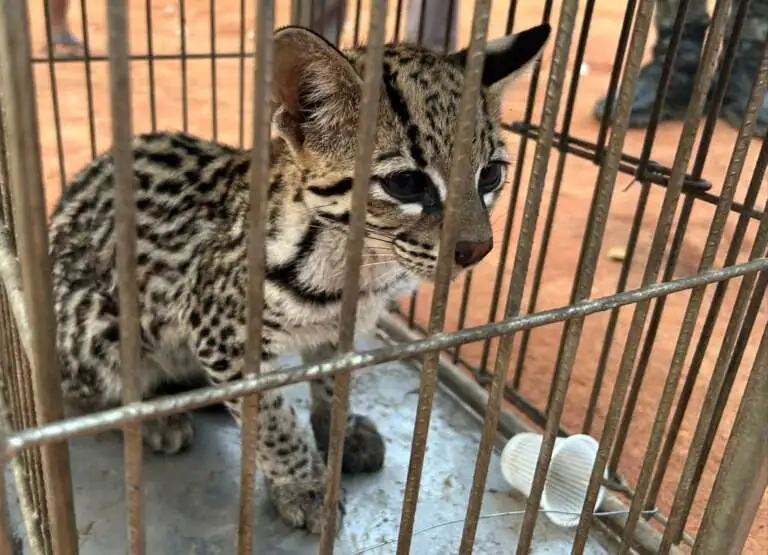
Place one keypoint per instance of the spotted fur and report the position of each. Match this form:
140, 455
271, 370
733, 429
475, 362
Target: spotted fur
192, 206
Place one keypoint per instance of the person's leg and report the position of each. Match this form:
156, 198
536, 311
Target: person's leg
745, 67
437, 30
324, 17
684, 69
61, 34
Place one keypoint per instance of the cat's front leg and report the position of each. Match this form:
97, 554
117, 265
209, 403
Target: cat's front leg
294, 470
364, 448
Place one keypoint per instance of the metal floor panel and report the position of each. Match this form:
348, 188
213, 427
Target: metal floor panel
192, 498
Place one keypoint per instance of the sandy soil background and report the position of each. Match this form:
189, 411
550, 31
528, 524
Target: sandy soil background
216, 111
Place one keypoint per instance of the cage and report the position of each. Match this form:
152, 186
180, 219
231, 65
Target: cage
625, 297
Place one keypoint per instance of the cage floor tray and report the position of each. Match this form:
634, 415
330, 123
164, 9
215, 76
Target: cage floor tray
192, 498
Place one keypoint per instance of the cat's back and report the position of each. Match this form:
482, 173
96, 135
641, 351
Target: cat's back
186, 189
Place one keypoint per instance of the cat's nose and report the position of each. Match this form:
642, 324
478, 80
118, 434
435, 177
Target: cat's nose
468, 253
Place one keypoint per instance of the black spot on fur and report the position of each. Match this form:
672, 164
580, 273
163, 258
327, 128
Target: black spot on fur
337, 189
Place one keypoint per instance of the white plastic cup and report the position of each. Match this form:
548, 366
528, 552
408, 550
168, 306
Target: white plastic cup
567, 480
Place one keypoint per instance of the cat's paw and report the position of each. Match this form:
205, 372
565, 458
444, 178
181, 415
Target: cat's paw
364, 448
300, 503
169, 434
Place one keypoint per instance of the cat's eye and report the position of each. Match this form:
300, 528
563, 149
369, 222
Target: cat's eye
491, 177
407, 186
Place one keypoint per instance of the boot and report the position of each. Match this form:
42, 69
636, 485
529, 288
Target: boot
739, 88
680, 85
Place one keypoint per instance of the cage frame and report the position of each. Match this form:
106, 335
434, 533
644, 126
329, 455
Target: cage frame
27, 320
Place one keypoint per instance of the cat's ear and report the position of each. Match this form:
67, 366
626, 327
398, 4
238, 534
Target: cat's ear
316, 90
508, 56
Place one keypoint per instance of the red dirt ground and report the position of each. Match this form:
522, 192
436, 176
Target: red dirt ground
567, 234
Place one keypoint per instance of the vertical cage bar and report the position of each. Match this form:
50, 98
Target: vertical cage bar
613, 83
125, 262
257, 225
676, 246
214, 87
702, 80
7, 539
458, 182
613, 319
666, 75
696, 298
54, 95
32, 239
354, 258
709, 325
515, 188
589, 257
88, 78
241, 74
549, 219
743, 473
661, 93
150, 66
523, 254
758, 296
184, 81
686, 487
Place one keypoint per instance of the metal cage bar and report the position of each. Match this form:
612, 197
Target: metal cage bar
459, 178
31, 236
697, 296
522, 258
676, 247
258, 199
583, 283
126, 264
369, 110
743, 475
26, 437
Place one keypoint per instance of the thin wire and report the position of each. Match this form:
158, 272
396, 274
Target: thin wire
486, 516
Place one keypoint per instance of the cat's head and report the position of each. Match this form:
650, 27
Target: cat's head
318, 94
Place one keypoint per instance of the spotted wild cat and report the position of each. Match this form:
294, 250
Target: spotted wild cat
192, 202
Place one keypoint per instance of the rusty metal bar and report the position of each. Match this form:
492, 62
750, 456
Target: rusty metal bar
459, 180
54, 95
613, 319
183, 58
32, 239
257, 263
549, 219
150, 64
27, 466
642, 170
114, 418
710, 322
514, 189
685, 148
707, 415
369, 110
696, 299
677, 245
21, 466
125, 263
214, 87
7, 540
589, 257
89, 78
241, 75
613, 83
554, 92
723, 395
743, 474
